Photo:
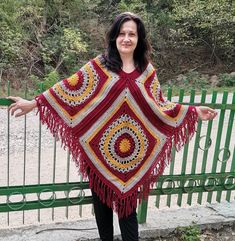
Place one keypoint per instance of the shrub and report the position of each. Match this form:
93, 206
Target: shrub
50, 79
190, 233
226, 80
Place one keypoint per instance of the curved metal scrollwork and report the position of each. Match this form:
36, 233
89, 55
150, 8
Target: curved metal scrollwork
207, 184
229, 182
206, 147
46, 202
227, 155
168, 180
187, 185
80, 195
15, 206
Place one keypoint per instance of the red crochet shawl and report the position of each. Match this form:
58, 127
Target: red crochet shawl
119, 127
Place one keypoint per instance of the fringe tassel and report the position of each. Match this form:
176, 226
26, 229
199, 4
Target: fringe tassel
62, 132
184, 132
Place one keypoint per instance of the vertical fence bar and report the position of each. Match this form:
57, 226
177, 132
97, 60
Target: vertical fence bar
8, 150
172, 164
142, 211
25, 144
206, 147
183, 166
80, 206
218, 141
54, 174
196, 146
157, 201
39, 153
228, 194
67, 181
171, 172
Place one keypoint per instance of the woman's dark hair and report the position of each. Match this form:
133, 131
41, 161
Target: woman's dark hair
142, 51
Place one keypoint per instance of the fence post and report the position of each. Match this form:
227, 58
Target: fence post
142, 211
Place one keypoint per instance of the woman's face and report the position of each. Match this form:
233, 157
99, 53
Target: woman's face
127, 39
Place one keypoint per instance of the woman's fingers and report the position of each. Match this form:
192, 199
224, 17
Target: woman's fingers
20, 114
212, 113
206, 113
18, 105
21, 105
14, 107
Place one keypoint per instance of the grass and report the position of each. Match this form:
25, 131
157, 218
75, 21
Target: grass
195, 80
187, 89
190, 233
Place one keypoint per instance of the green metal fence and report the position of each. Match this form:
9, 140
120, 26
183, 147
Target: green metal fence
36, 173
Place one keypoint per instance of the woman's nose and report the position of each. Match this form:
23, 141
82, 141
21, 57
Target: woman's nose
126, 38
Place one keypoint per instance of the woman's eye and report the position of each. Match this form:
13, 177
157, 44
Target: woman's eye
121, 34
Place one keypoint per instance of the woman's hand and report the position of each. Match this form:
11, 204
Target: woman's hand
25, 106
206, 113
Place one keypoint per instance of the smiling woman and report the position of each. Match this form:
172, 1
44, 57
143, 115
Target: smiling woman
126, 43
112, 117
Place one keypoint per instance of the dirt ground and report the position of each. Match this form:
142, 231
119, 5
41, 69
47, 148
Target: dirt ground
227, 233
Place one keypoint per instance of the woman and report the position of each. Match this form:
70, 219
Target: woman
112, 117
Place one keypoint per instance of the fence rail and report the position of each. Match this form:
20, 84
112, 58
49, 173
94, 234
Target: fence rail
36, 174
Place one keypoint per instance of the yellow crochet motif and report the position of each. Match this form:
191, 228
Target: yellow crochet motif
125, 145
73, 80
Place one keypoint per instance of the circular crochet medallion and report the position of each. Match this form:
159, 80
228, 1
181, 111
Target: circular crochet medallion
78, 88
123, 144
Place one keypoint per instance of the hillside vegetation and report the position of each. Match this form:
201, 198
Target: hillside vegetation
46, 40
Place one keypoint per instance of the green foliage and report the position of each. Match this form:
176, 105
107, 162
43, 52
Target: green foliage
40, 36
72, 46
63, 48
226, 80
192, 79
190, 233
11, 38
10, 45
180, 24
50, 79
135, 6
195, 80
204, 22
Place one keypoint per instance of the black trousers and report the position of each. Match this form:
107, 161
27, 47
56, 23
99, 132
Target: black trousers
104, 220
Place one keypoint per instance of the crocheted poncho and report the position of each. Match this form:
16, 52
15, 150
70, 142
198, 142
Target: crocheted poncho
119, 126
